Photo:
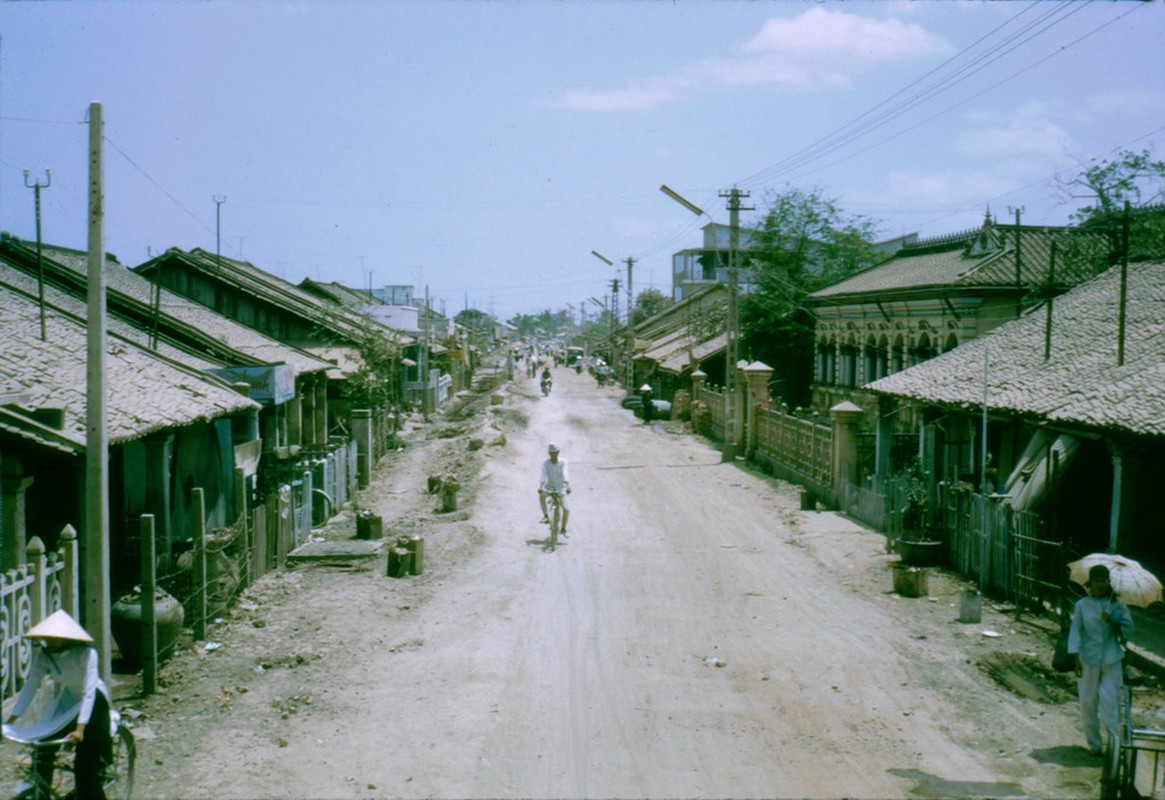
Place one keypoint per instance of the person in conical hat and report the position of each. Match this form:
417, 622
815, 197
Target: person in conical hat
65, 653
59, 625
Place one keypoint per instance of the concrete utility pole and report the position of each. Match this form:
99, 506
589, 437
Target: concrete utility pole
730, 416
95, 534
630, 296
36, 187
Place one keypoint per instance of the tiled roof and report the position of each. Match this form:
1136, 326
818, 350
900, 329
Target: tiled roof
980, 258
233, 344
145, 391
1081, 383
279, 292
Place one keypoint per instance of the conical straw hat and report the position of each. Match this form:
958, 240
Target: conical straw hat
59, 625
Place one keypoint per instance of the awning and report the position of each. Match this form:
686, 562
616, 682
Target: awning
1041, 465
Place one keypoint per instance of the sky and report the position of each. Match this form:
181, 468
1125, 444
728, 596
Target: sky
480, 151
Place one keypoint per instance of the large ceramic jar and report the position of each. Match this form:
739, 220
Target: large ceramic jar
126, 625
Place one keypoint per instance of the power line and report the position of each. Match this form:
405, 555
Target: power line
851, 131
159, 186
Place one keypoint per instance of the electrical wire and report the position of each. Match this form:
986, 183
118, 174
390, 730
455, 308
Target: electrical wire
159, 186
884, 113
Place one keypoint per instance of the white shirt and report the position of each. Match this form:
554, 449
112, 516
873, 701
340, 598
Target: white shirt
555, 476
1093, 638
74, 669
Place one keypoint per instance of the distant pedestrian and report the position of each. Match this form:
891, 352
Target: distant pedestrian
648, 403
1101, 623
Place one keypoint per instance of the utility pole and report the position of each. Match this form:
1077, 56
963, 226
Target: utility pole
219, 199
36, 187
95, 535
734, 209
1018, 267
630, 296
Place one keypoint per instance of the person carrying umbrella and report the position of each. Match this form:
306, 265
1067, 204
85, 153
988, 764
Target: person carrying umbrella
65, 654
1101, 623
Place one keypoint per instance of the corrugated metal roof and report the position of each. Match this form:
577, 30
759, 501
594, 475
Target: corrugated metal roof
1081, 382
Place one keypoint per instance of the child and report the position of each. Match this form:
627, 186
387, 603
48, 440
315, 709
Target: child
81, 712
1100, 624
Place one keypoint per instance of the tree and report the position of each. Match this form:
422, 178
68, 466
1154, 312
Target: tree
545, 325
475, 320
803, 242
1131, 178
648, 303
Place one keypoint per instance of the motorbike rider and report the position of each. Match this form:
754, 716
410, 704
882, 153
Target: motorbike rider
546, 380
555, 477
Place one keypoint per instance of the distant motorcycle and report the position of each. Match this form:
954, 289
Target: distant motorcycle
546, 384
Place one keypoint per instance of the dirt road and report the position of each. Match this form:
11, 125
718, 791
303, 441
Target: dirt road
698, 636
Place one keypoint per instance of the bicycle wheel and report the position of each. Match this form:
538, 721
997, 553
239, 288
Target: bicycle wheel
118, 774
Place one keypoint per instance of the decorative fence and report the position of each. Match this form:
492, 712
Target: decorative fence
801, 448
713, 400
46, 582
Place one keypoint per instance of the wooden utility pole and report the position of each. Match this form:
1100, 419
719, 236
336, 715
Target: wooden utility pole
95, 534
730, 382
36, 186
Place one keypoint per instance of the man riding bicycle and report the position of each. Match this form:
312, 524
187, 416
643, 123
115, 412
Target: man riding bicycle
555, 478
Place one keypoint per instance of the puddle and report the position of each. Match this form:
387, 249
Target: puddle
934, 786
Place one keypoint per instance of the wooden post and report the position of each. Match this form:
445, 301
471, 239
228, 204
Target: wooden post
149, 610
199, 588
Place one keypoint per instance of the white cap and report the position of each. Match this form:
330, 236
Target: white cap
553, 448
645, 388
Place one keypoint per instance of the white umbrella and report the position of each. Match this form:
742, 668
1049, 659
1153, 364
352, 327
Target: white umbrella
1135, 584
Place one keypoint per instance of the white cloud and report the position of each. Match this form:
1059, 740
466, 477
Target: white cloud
1128, 102
1017, 137
817, 49
637, 95
941, 189
835, 35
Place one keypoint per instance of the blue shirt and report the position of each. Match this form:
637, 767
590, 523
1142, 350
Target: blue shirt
1094, 639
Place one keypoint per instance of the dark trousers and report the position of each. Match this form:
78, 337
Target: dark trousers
92, 753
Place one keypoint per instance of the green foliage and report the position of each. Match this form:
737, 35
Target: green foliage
1098, 240
803, 242
1131, 177
475, 320
648, 303
545, 325
373, 385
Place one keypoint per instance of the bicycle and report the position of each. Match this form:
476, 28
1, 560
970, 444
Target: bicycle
117, 775
554, 511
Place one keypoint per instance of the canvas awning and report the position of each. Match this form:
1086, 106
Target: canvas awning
1041, 465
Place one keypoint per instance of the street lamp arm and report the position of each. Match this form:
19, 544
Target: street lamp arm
695, 209
602, 258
